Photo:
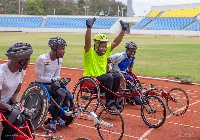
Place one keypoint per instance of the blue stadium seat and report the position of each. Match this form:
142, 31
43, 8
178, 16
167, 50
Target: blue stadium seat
24, 22
101, 23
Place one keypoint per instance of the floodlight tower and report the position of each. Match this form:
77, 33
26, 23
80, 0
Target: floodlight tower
129, 8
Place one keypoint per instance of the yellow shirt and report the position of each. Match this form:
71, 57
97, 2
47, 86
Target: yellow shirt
95, 65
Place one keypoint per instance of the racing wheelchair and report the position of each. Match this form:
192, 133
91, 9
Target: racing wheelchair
25, 132
37, 96
89, 92
177, 100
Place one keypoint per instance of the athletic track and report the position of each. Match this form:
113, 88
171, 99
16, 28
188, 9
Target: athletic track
135, 128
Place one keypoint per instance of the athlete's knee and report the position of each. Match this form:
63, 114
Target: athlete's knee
61, 92
68, 94
108, 77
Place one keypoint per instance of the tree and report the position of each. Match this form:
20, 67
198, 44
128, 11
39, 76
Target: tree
34, 7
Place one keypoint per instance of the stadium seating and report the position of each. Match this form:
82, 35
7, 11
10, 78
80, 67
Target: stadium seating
154, 14
194, 27
57, 22
142, 23
170, 23
184, 19
182, 13
25, 22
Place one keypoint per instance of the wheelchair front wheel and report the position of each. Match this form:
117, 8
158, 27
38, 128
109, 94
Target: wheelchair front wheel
178, 101
153, 111
116, 131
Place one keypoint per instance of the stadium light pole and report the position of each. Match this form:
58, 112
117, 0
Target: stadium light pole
123, 11
19, 14
86, 7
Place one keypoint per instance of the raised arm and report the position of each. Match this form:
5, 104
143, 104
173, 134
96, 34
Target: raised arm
89, 24
119, 38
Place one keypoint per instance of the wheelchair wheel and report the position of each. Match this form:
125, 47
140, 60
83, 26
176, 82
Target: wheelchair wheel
86, 94
181, 103
153, 111
116, 131
35, 96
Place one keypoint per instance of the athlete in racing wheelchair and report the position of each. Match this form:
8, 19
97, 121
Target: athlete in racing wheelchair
11, 76
121, 62
48, 73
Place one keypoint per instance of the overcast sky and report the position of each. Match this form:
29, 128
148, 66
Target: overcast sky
139, 6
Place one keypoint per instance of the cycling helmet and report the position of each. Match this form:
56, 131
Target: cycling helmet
56, 42
19, 51
100, 38
130, 45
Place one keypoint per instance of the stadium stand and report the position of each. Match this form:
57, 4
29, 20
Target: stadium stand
184, 19
181, 13
25, 22
154, 14
56, 22
170, 23
142, 23
194, 27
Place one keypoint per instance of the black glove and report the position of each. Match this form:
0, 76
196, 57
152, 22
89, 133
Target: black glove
64, 81
90, 22
124, 25
55, 85
29, 112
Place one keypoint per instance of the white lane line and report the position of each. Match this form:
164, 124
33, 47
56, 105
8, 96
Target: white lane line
151, 129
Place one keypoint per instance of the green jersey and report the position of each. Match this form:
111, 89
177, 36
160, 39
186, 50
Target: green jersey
95, 65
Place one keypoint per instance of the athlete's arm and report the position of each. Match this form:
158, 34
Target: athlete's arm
117, 40
108, 62
87, 40
130, 67
3, 105
39, 71
15, 97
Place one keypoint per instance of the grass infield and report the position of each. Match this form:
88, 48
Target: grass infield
160, 56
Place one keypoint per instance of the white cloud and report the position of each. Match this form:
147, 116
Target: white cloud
139, 6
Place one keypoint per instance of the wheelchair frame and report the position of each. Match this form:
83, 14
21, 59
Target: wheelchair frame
123, 93
74, 112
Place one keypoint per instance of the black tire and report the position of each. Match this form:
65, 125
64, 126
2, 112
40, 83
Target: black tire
116, 132
36, 96
86, 94
155, 118
180, 106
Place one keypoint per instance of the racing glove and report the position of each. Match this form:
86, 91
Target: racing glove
90, 22
124, 25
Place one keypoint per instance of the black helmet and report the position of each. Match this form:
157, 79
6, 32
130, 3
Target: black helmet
56, 42
19, 51
130, 45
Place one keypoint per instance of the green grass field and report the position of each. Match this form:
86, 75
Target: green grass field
162, 56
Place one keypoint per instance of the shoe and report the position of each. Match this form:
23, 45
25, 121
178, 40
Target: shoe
53, 125
111, 104
119, 107
61, 122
